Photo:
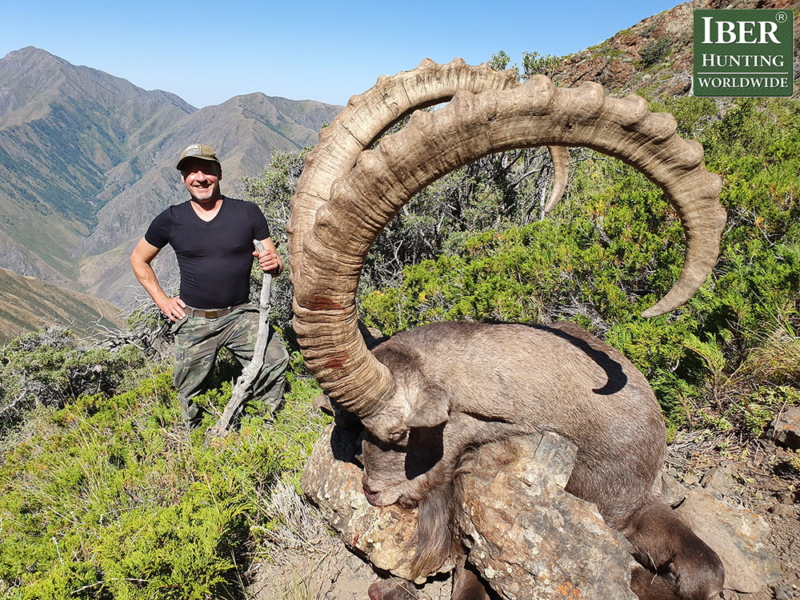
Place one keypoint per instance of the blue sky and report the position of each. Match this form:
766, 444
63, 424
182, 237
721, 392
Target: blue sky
209, 52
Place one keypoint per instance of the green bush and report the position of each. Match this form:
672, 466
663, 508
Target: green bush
109, 498
51, 368
614, 247
654, 52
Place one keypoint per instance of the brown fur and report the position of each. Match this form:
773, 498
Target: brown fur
467, 585
460, 384
392, 589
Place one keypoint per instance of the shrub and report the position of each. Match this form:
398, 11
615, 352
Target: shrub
108, 497
51, 368
654, 52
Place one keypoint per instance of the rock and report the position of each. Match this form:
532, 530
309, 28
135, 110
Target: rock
691, 479
527, 536
739, 538
719, 481
672, 491
785, 430
783, 593
781, 510
332, 481
305, 561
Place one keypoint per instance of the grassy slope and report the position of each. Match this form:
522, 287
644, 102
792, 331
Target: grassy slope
28, 304
109, 497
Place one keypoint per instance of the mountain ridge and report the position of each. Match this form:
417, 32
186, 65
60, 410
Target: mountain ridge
48, 77
29, 304
87, 160
81, 178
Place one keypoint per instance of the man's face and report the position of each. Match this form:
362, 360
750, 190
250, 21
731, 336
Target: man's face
201, 178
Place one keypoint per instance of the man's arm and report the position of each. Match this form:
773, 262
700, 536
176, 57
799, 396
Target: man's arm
141, 257
268, 260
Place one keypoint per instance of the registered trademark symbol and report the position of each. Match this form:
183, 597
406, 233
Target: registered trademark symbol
781, 17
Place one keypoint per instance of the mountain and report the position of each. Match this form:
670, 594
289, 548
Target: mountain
29, 304
88, 159
655, 56
62, 129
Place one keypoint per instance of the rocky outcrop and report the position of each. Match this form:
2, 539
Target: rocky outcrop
523, 532
332, 480
527, 536
520, 530
785, 430
653, 57
738, 537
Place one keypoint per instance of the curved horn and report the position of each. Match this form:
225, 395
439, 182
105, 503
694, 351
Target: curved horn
560, 156
363, 121
433, 144
370, 114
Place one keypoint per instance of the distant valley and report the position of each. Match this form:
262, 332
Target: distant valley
29, 304
87, 160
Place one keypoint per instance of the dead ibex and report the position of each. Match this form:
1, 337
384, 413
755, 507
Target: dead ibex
348, 193
464, 383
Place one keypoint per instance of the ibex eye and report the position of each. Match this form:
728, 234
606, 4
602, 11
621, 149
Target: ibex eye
398, 437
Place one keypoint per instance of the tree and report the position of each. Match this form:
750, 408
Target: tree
272, 190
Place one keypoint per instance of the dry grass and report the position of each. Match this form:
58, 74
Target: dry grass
776, 361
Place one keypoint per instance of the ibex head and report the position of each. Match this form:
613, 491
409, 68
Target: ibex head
348, 192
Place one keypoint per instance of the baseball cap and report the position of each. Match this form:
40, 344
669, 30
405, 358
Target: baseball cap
200, 151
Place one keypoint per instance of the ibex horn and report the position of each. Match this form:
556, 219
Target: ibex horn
335, 231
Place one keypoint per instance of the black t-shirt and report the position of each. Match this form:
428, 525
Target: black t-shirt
214, 257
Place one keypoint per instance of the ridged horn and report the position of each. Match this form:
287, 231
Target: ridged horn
560, 156
363, 121
367, 116
361, 202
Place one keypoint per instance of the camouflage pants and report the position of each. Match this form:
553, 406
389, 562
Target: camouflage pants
197, 342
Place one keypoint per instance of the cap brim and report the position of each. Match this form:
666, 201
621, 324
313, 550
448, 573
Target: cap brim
186, 159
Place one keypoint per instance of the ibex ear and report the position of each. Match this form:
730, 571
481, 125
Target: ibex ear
432, 408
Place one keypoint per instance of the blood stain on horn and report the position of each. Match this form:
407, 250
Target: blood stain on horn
323, 303
337, 361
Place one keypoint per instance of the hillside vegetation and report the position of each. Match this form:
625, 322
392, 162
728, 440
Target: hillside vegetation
102, 495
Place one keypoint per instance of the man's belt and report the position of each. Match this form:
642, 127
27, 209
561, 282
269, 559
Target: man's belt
211, 313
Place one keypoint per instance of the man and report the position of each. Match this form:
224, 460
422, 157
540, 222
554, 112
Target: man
212, 236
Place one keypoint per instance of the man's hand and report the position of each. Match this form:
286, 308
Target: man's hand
172, 307
268, 259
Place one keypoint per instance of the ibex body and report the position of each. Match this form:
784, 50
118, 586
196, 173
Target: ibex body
461, 384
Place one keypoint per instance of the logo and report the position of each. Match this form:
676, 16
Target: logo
743, 53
